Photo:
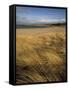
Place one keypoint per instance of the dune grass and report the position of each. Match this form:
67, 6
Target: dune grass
40, 58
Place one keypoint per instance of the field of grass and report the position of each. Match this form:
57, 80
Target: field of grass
40, 55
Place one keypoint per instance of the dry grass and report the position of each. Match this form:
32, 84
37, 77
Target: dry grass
40, 55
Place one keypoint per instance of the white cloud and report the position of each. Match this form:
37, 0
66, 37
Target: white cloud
26, 21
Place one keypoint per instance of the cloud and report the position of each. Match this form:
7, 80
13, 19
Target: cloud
28, 21
20, 21
56, 20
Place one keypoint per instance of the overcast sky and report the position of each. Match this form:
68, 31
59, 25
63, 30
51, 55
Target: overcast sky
31, 15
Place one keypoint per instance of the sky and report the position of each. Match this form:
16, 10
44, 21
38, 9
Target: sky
34, 15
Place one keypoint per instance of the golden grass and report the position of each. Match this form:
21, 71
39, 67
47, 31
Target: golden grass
40, 56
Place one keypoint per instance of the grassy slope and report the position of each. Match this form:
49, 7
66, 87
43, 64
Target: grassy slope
40, 57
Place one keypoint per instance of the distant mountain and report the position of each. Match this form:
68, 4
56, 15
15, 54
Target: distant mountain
39, 25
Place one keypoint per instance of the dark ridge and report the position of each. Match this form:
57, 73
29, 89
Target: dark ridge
40, 25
